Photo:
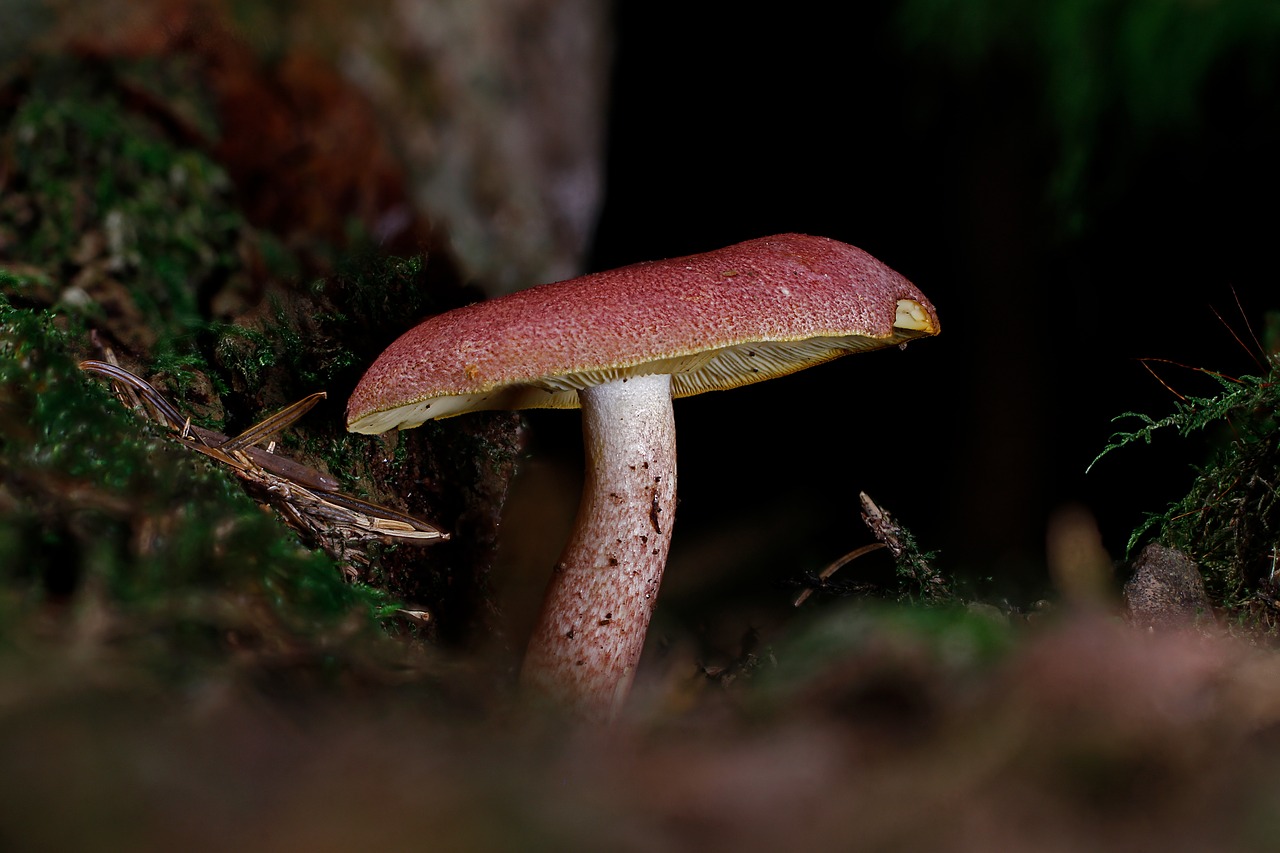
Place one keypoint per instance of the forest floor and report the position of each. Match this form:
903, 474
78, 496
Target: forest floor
182, 667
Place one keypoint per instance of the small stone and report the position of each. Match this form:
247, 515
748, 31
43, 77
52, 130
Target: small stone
1166, 591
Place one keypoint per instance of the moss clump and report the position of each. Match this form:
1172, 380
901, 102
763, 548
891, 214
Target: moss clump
99, 195
1229, 520
97, 506
114, 211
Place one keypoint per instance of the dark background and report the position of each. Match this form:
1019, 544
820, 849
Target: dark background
1058, 250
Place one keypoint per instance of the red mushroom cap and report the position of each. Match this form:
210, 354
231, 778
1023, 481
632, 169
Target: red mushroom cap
716, 320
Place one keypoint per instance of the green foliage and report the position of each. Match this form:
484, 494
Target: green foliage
1229, 520
1141, 64
1246, 395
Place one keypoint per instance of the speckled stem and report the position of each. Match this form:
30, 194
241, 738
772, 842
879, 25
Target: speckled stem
587, 642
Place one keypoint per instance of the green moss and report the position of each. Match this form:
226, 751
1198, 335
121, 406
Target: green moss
318, 337
118, 217
1229, 520
101, 505
96, 186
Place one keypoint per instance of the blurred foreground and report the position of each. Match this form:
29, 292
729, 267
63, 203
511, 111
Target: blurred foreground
870, 730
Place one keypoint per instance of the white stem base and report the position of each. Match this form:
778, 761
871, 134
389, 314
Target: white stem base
588, 639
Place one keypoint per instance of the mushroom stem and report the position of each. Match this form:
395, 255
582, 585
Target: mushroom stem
588, 638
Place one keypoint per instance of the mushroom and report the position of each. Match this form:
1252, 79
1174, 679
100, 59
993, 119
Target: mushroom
621, 344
